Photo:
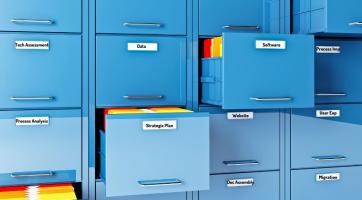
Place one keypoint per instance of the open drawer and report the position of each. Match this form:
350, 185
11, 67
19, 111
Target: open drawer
155, 153
260, 71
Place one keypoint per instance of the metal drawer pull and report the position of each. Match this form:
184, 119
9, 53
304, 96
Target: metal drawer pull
329, 158
31, 175
144, 97
160, 183
32, 21
241, 163
355, 23
272, 99
242, 27
32, 98
131, 24
330, 94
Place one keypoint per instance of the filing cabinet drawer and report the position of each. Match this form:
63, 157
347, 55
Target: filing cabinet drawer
41, 15
253, 186
101, 195
40, 71
237, 16
259, 71
40, 147
338, 71
128, 75
332, 17
332, 184
141, 17
236, 144
156, 153
332, 134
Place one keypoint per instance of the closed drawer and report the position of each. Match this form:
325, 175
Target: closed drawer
40, 71
129, 75
40, 147
141, 17
242, 78
338, 71
163, 152
41, 16
333, 17
253, 186
332, 134
101, 195
332, 184
236, 145
237, 16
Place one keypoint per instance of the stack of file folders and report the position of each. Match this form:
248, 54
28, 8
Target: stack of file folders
38, 192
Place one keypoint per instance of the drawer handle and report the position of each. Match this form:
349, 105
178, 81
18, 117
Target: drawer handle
355, 23
160, 183
32, 98
32, 21
151, 25
330, 94
143, 97
32, 175
329, 158
241, 163
272, 99
242, 27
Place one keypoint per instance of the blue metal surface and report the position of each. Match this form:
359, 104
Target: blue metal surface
156, 155
41, 148
330, 17
304, 184
53, 73
141, 17
236, 145
338, 75
122, 73
49, 16
334, 137
257, 16
266, 186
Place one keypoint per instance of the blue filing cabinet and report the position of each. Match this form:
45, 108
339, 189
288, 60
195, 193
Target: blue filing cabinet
257, 16
260, 71
41, 117
327, 17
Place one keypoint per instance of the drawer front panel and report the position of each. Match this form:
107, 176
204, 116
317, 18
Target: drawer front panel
34, 141
332, 138
34, 68
333, 184
41, 16
237, 16
267, 71
142, 17
101, 195
157, 160
253, 186
338, 71
236, 145
37, 177
134, 77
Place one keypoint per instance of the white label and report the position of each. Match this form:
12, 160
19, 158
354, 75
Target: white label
240, 115
159, 125
328, 49
39, 45
240, 182
328, 113
269, 44
328, 177
142, 47
32, 121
